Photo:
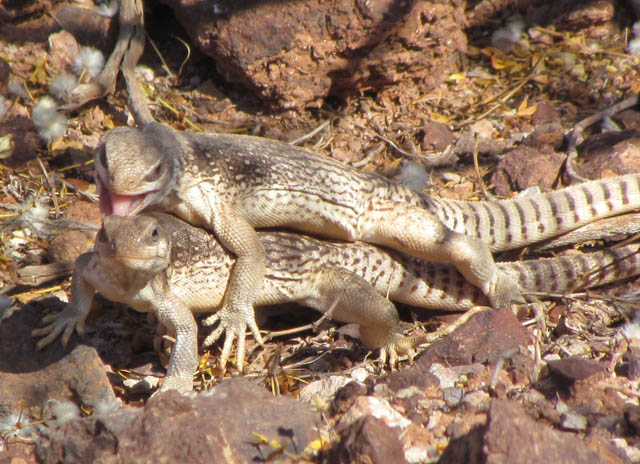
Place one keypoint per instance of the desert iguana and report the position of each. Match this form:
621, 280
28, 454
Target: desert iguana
231, 184
156, 262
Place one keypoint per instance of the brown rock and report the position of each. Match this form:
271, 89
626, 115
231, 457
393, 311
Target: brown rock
484, 338
610, 154
526, 167
69, 244
63, 48
511, 435
548, 133
300, 54
24, 139
86, 25
368, 441
630, 119
437, 136
545, 113
29, 379
346, 396
222, 425
575, 368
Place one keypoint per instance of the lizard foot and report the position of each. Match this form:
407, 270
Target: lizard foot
399, 345
64, 323
233, 322
503, 291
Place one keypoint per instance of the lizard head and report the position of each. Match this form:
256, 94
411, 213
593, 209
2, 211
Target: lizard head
138, 244
136, 168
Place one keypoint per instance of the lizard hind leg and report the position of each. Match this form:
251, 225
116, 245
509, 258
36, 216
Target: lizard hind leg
420, 233
342, 295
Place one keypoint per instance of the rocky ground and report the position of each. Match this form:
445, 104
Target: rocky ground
457, 98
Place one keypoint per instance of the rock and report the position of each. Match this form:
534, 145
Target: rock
324, 388
368, 441
437, 136
298, 55
545, 113
24, 139
372, 406
609, 154
346, 396
225, 423
525, 167
574, 368
511, 435
69, 244
63, 49
483, 339
30, 379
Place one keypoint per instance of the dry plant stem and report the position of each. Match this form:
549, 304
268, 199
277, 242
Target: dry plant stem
128, 48
38, 275
576, 135
137, 102
626, 224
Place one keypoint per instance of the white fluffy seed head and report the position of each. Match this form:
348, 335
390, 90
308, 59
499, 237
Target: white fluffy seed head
44, 111
414, 176
65, 411
55, 128
88, 58
107, 406
633, 47
632, 329
62, 85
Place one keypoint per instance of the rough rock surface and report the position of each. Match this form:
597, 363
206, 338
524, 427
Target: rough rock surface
224, 424
298, 53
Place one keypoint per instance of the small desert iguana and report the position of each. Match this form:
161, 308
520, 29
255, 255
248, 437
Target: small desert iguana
156, 262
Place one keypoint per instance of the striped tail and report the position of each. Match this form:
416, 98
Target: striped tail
513, 223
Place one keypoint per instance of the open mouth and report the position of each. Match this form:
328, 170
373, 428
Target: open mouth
120, 205
112, 203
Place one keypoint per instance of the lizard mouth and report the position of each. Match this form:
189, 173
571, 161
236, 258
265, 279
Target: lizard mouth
112, 203
120, 205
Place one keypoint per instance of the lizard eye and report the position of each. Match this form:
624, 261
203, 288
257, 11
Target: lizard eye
155, 234
155, 174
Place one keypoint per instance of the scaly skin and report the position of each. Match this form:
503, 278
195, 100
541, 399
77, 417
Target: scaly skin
233, 184
156, 262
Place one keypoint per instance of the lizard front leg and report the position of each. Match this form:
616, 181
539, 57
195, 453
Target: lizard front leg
245, 282
73, 317
420, 233
179, 320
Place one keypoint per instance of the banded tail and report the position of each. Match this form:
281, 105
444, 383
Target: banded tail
509, 224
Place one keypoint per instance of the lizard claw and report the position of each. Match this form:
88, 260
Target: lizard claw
398, 345
234, 323
64, 323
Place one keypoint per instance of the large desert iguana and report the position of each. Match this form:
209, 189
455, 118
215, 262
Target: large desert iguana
156, 262
231, 184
